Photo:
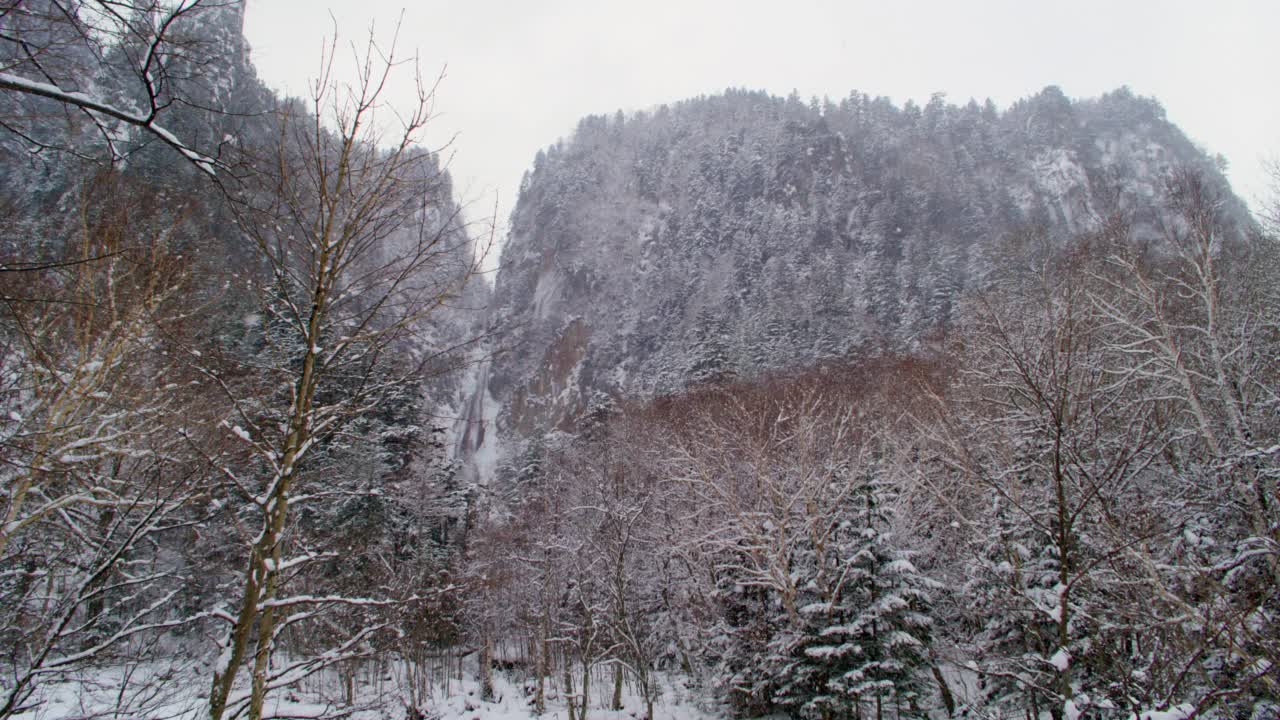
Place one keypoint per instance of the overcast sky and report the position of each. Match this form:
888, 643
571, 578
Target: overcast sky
521, 73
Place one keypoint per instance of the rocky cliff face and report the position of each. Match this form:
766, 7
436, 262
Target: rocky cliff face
741, 232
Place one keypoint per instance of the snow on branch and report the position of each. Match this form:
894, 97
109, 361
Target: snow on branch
15, 83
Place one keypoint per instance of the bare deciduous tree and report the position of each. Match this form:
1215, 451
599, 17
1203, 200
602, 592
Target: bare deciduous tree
359, 245
96, 470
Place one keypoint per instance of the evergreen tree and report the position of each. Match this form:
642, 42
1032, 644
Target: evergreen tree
1013, 633
861, 650
709, 357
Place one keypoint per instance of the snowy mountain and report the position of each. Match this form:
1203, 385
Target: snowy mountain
726, 235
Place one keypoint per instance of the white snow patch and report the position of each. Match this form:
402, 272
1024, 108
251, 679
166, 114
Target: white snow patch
548, 287
1181, 712
1061, 660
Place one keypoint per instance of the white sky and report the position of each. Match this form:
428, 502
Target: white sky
520, 73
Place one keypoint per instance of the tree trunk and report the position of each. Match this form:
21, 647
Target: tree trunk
617, 687
586, 690
568, 692
266, 625
948, 699
540, 669
486, 668
224, 675
646, 687
349, 686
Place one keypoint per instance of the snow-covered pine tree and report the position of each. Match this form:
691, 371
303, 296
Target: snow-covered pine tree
1012, 634
709, 357
861, 651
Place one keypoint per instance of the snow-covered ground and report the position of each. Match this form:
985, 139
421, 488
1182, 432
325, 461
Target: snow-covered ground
151, 694
511, 703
